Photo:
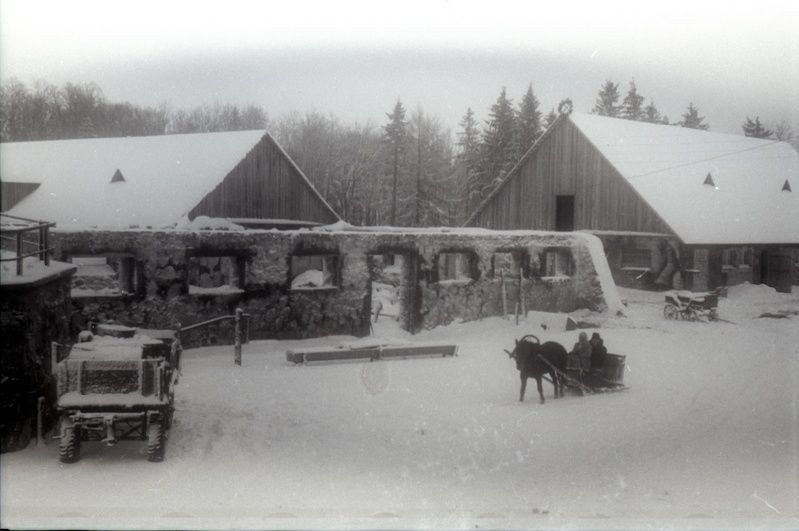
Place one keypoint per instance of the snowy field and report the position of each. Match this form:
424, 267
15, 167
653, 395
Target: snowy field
706, 436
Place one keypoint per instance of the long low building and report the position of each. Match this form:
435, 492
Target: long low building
675, 207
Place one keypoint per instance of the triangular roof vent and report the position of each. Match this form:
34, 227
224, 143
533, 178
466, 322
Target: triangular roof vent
118, 178
709, 180
787, 186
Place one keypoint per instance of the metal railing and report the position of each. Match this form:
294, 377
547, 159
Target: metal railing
15, 231
240, 336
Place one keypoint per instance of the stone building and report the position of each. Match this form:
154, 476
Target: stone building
310, 283
34, 309
674, 207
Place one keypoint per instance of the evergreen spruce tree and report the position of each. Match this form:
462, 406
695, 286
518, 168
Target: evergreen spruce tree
755, 129
551, 117
395, 137
692, 120
468, 159
633, 104
529, 123
607, 100
652, 115
498, 140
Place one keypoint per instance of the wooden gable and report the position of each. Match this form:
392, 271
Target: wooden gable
565, 163
266, 184
13, 193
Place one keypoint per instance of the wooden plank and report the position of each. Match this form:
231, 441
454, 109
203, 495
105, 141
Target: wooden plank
418, 350
337, 354
371, 353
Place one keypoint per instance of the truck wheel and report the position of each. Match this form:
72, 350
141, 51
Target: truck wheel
156, 440
69, 451
670, 311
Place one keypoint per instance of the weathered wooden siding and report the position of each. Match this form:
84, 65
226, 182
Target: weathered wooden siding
13, 193
266, 184
566, 163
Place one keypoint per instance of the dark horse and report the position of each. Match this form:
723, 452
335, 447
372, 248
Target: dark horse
529, 354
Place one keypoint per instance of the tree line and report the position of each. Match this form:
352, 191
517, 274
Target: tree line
80, 110
407, 171
632, 107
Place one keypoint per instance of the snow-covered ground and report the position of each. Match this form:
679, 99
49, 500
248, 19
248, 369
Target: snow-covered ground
705, 437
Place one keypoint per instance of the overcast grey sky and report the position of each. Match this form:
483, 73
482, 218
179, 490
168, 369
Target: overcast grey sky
354, 59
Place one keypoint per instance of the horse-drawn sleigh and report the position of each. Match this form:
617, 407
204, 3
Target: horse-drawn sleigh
550, 361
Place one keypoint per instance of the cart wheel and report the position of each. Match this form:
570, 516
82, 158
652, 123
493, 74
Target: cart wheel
156, 440
670, 312
69, 450
690, 315
714, 315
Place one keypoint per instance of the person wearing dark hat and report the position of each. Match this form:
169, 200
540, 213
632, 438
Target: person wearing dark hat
580, 356
598, 351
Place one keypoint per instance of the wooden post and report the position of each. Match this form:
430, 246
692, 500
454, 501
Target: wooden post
504, 295
517, 314
39, 425
237, 345
521, 295
53, 357
19, 254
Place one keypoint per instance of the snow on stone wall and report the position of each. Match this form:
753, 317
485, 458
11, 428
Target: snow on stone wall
278, 310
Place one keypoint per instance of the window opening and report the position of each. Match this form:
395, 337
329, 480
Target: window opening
507, 264
564, 213
636, 258
747, 259
215, 274
454, 267
729, 258
105, 275
556, 263
118, 177
314, 271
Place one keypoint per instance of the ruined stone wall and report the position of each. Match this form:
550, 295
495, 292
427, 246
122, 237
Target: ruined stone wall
33, 316
163, 297
665, 268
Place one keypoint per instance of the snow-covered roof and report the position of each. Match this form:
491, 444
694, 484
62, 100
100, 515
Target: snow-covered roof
161, 178
743, 202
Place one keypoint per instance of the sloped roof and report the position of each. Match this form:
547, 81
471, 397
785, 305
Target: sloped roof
161, 178
668, 166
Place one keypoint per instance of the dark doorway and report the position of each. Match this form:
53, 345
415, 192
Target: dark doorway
775, 270
392, 287
564, 213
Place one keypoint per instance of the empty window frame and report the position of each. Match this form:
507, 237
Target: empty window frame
729, 258
455, 267
215, 273
103, 275
319, 271
556, 263
507, 264
747, 257
637, 258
